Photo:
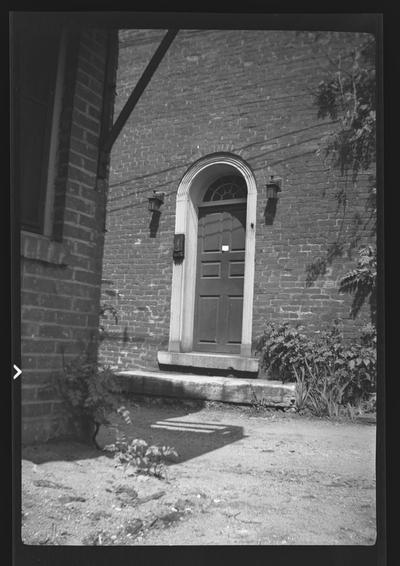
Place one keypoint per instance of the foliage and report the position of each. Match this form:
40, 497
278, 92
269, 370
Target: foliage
368, 336
90, 393
361, 281
259, 404
281, 347
104, 309
147, 459
319, 266
349, 95
329, 373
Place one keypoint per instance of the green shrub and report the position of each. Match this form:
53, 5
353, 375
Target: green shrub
329, 373
361, 282
90, 394
146, 459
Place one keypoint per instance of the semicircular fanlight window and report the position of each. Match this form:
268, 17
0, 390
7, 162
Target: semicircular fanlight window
226, 188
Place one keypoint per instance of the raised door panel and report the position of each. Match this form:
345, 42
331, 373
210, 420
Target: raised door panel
234, 319
208, 319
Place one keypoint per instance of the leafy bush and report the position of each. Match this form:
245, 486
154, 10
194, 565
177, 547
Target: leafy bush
90, 394
329, 373
361, 281
147, 459
281, 348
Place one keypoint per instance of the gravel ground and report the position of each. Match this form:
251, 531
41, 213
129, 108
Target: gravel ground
243, 477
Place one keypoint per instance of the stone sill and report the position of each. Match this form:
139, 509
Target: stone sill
208, 361
42, 248
211, 388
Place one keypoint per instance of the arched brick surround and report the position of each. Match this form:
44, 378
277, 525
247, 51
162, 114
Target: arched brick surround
190, 193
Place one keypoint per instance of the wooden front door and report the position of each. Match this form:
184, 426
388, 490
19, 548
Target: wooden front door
220, 278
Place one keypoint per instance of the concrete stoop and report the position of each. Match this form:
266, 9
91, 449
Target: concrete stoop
209, 388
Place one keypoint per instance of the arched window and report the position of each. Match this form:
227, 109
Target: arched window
226, 188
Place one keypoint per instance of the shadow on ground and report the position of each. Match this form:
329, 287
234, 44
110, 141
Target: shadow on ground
159, 422
176, 426
57, 450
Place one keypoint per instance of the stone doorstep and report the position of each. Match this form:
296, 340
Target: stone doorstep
209, 388
209, 361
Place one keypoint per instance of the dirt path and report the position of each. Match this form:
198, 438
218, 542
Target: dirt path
242, 478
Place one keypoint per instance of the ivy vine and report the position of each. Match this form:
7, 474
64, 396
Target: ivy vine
348, 95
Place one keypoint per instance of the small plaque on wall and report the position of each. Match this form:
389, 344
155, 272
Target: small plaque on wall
179, 247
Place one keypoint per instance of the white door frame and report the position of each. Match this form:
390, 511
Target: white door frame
190, 192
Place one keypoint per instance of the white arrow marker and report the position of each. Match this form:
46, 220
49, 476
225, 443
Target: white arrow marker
18, 372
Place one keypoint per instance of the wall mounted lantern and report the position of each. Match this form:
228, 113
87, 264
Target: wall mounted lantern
156, 201
273, 187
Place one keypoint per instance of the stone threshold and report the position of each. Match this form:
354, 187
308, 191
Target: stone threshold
208, 388
209, 361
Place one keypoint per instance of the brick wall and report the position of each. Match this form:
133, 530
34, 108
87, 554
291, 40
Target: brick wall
60, 274
249, 93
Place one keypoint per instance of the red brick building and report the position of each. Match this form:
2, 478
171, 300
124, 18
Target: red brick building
225, 111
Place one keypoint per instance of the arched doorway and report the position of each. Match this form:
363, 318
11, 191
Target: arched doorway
187, 330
